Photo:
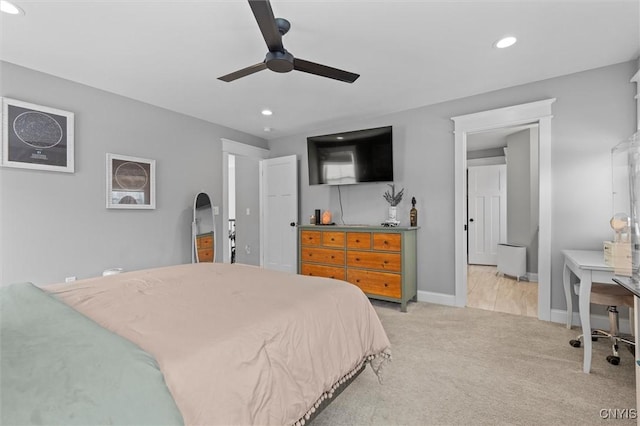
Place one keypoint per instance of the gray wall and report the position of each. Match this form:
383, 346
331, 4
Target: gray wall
594, 110
54, 225
247, 197
521, 191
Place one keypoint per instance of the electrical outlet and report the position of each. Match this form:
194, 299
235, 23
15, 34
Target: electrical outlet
216, 210
69, 279
247, 249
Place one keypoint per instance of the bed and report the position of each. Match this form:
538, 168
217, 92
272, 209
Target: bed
208, 343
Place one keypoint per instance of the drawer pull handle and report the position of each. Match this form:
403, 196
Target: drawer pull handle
357, 241
357, 281
386, 243
385, 262
386, 285
357, 259
332, 239
333, 257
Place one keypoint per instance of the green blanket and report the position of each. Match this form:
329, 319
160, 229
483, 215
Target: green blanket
58, 367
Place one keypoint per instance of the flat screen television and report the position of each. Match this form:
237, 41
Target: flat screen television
351, 157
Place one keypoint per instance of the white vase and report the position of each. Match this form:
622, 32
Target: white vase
392, 213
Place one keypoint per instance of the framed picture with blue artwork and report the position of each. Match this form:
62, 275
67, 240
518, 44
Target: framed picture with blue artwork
36, 137
131, 182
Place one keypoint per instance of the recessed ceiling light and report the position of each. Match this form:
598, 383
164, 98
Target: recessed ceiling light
506, 42
267, 129
10, 8
267, 112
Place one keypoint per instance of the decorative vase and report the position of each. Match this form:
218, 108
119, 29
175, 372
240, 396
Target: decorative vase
392, 213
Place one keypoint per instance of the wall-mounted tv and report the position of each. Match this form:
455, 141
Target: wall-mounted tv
351, 157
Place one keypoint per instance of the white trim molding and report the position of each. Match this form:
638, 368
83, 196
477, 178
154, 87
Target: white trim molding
531, 113
436, 298
636, 79
230, 147
237, 148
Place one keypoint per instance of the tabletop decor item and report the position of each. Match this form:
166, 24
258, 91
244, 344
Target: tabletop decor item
326, 217
393, 198
413, 213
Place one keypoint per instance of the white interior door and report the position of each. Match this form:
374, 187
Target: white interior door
487, 204
279, 195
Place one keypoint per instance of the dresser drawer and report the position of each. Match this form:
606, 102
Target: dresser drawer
333, 239
375, 260
310, 238
322, 255
378, 283
359, 240
205, 255
388, 242
322, 271
204, 241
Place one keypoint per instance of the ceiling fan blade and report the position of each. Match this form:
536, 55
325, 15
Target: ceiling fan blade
324, 71
267, 23
243, 72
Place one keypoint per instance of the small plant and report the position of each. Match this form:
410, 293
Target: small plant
392, 198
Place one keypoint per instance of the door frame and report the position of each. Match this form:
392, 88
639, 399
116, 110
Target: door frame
530, 113
230, 147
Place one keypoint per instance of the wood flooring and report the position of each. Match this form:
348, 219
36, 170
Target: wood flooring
500, 293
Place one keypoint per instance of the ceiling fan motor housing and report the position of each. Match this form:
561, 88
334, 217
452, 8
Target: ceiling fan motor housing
279, 61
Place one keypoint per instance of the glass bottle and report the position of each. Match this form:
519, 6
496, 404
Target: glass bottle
413, 213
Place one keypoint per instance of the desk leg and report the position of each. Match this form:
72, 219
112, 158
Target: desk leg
584, 305
566, 280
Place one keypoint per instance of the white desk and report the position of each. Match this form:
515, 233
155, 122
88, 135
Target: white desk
589, 267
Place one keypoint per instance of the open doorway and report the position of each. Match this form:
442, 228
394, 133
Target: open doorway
532, 113
231, 203
241, 195
502, 211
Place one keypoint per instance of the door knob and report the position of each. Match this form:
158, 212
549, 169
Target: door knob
471, 220
292, 224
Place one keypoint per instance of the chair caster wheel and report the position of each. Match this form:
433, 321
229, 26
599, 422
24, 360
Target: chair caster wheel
594, 339
613, 360
575, 343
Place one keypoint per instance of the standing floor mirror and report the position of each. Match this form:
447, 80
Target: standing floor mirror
202, 230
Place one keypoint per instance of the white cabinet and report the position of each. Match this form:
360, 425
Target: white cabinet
512, 260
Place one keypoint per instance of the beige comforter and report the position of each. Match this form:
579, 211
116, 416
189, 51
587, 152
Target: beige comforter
238, 344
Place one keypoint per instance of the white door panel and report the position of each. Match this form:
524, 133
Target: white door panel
487, 204
279, 211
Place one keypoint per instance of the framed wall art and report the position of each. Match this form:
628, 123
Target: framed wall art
131, 182
36, 137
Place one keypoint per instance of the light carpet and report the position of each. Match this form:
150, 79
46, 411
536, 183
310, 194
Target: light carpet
465, 366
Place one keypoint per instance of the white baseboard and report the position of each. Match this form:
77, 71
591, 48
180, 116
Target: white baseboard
557, 315
597, 321
437, 298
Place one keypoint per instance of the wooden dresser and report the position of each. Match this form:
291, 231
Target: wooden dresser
204, 245
380, 260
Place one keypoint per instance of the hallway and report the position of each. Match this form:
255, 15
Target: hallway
486, 290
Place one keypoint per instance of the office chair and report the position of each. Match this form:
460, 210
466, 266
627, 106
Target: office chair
611, 296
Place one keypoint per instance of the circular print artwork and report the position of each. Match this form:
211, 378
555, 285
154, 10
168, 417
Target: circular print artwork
37, 129
131, 176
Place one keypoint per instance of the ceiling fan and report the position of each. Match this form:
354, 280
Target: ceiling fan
278, 59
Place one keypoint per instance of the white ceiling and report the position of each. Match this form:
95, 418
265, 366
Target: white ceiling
409, 53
